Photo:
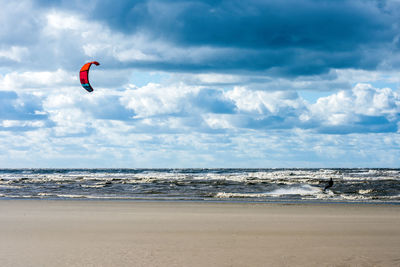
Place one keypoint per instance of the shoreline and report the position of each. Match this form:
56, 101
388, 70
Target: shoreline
182, 233
212, 201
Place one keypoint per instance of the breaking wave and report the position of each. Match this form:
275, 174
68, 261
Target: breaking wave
366, 185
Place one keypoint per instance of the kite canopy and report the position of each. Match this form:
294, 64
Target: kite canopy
84, 75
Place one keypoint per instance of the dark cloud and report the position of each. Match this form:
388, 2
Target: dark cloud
279, 38
338, 25
285, 37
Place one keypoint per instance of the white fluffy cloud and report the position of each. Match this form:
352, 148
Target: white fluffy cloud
34, 80
156, 99
134, 126
261, 102
347, 108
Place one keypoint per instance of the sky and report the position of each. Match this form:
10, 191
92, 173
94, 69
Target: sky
200, 84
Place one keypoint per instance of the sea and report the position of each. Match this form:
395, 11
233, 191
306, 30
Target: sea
229, 185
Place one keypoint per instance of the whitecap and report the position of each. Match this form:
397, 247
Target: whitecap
362, 192
240, 195
296, 190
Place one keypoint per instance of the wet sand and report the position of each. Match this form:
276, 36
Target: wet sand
112, 233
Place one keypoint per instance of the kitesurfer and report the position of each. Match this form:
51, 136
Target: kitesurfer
330, 183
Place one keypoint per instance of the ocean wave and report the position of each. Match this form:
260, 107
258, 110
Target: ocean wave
195, 184
289, 176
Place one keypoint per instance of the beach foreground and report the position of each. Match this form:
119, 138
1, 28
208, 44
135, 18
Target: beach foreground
113, 233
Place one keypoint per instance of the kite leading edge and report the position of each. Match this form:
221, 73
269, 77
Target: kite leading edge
84, 75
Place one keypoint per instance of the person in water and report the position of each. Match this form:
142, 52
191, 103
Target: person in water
330, 183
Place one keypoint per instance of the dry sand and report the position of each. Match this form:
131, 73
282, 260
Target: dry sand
107, 233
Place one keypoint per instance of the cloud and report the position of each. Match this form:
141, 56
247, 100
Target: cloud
178, 107
16, 31
155, 99
219, 83
320, 24
15, 53
274, 38
210, 127
114, 148
175, 100
33, 80
365, 109
281, 37
20, 112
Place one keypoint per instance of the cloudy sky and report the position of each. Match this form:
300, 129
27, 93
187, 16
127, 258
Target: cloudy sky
228, 83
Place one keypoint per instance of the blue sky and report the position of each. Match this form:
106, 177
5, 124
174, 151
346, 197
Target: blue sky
224, 83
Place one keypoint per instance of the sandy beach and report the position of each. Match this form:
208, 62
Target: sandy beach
113, 233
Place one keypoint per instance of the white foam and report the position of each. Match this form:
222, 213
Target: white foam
93, 186
240, 195
296, 190
353, 197
367, 191
303, 190
9, 186
62, 195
